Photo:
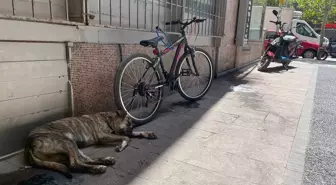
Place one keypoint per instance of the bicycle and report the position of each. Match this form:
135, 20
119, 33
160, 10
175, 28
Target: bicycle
154, 77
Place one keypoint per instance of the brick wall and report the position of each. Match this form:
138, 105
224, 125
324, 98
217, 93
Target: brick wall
93, 68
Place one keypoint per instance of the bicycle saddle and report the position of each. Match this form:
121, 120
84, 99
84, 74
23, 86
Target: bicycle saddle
151, 42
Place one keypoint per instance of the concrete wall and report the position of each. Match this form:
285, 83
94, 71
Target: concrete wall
33, 89
246, 54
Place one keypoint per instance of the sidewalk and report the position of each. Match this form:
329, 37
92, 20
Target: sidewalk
246, 131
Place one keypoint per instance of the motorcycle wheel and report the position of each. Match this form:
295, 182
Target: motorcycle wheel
264, 63
322, 55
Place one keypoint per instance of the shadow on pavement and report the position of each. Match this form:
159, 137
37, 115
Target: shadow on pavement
175, 118
277, 69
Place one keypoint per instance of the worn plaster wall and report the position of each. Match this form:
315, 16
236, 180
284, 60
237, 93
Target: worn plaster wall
227, 51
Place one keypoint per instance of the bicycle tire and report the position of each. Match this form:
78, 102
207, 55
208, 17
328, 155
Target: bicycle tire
178, 71
117, 87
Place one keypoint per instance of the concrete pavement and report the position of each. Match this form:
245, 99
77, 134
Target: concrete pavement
252, 128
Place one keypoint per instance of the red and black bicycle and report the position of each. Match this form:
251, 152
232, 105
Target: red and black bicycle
139, 82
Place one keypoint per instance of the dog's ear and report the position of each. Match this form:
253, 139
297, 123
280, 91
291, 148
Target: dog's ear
121, 113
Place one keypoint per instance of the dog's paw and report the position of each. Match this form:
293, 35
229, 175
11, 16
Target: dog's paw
151, 135
100, 169
68, 175
109, 161
118, 148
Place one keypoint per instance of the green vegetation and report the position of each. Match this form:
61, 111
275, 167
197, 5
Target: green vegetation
313, 10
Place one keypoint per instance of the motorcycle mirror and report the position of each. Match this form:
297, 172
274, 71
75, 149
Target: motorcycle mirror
275, 12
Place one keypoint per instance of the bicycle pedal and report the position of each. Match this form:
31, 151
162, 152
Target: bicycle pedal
186, 72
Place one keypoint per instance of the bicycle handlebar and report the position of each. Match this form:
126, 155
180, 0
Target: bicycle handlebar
185, 24
276, 22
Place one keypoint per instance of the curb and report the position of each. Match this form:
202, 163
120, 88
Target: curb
296, 161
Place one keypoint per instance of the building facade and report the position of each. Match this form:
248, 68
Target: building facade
58, 57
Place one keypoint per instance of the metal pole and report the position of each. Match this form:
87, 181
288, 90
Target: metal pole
50, 9
218, 5
164, 17
159, 13
33, 8
137, 14
120, 13
203, 13
192, 14
99, 11
188, 14
209, 21
145, 14
325, 17
176, 14
67, 9
129, 13
85, 12
152, 14
171, 14
13, 7
110, 12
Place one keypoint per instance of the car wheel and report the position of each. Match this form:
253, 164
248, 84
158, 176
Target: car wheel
333, 55
309, 54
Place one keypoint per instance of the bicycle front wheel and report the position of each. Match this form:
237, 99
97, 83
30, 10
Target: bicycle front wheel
136, 88
193, 87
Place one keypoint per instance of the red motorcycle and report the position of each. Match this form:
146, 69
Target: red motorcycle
283, 49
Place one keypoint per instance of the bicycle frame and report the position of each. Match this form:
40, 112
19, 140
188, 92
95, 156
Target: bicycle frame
169, 77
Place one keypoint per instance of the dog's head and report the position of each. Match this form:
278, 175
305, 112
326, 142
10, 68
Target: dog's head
120, 122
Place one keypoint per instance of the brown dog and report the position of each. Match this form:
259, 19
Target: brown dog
55, 145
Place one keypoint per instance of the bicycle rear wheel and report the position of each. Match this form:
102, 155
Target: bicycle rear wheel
135, 88
190, 86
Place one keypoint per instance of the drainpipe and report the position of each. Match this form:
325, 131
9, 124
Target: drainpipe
69, 46
120, 53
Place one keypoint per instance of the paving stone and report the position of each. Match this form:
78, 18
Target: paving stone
181, 151
6, 167
283, 128
275, 117
276, 140
266, 153
140, 181
161, 170
242, 111
18, 160
193, 175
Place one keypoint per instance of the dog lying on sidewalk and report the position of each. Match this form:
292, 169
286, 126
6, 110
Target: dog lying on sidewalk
55, 145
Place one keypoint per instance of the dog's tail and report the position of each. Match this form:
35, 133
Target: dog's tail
34, 160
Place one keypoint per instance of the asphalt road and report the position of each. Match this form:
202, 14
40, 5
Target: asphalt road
320, 164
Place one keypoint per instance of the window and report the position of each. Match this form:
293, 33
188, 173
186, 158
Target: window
304, 30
